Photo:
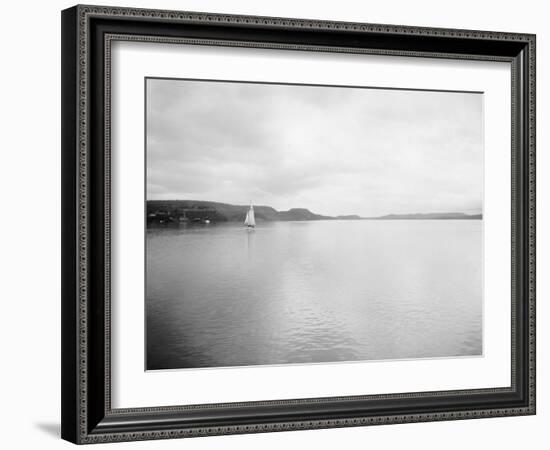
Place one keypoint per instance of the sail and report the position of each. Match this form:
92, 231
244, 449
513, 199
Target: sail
250, 221
251, 216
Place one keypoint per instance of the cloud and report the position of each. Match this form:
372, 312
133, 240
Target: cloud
331, 150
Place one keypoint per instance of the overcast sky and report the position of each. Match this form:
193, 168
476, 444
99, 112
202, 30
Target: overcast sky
331, 150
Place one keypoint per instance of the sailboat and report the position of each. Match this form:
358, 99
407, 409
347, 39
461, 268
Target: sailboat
249, 220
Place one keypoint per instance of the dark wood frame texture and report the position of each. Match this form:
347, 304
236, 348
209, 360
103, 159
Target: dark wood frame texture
87, 33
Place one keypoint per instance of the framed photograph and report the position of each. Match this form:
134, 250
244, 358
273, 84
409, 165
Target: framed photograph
276, 224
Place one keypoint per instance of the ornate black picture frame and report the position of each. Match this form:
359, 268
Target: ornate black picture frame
87, 34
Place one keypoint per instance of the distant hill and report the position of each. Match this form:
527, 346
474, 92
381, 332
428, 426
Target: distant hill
224, 212
166, 211
298, 214
429, 216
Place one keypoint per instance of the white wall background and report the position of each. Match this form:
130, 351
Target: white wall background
30, 246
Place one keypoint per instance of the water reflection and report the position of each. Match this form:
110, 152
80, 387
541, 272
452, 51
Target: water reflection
249, 243
313, 292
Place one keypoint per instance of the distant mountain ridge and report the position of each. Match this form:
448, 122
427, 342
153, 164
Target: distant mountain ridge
224, 212
193, 210
429, 216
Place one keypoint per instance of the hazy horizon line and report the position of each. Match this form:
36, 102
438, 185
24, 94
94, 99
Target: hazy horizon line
479, 213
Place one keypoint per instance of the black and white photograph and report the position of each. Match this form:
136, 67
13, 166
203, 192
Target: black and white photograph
300, 224
279, 219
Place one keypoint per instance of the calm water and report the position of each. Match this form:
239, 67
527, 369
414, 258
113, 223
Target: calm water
303, 292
